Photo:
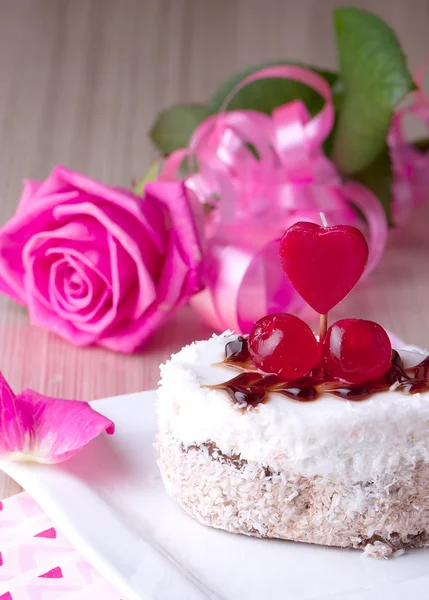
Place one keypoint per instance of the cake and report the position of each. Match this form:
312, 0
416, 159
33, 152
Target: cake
331, 471
285, 435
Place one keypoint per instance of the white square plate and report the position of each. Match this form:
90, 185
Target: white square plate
110, 502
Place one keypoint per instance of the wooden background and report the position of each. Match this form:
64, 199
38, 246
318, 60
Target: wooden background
81, 81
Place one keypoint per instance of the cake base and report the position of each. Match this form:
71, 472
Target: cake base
227, 492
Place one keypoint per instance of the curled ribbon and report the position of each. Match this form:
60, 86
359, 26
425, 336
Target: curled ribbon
410, 165
255, 176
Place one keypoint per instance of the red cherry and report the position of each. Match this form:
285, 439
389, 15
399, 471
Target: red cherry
283, 344
323, 264
356, 351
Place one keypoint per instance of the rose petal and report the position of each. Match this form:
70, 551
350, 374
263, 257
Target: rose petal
184, 222
150, 217
75, 287
70, 286
42, 429
37, 270
99, 320
130, 336
128, 236
134, 294
83, 309
55, 183
15, 234
31, 187
83, 237
133, 259
43, 316
41, 270
181, 273
43, 254
99, 314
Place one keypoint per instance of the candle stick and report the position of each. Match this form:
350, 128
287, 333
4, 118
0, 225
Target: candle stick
323, 327
324, 220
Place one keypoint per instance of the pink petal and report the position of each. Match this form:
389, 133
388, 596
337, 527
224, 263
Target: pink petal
55, 183
82, 247
106, 313
172, 294
184, 223
30, 188
42, 429
70, 288
16, 233
180, 276
41, 288
150, 217
78, 309
45, 317
123, 228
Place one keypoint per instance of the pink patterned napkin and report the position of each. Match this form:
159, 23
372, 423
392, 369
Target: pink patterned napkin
38, 563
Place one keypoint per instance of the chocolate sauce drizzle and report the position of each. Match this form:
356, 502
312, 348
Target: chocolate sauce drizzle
251, 387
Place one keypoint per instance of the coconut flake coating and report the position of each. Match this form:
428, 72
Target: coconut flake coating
384, 516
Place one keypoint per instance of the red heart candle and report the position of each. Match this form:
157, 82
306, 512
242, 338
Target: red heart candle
323, 263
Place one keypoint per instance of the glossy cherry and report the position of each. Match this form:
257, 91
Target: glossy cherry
283, 344
356, 351
323, 264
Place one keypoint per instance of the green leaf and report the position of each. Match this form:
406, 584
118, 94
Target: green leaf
174, 127
378, 177
375, 78
267, 94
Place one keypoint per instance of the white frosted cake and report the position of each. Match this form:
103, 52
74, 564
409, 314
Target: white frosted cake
330, 471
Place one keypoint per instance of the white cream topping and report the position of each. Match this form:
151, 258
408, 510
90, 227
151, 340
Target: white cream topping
329, 437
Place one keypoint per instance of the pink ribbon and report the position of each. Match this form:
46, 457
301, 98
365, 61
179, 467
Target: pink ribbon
410, 165
255, 176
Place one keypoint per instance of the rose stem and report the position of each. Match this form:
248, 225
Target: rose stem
323, 318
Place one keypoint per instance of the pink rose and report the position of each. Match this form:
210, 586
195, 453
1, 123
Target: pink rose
97, 264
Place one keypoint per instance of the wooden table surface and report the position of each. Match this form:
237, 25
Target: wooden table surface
82, 81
